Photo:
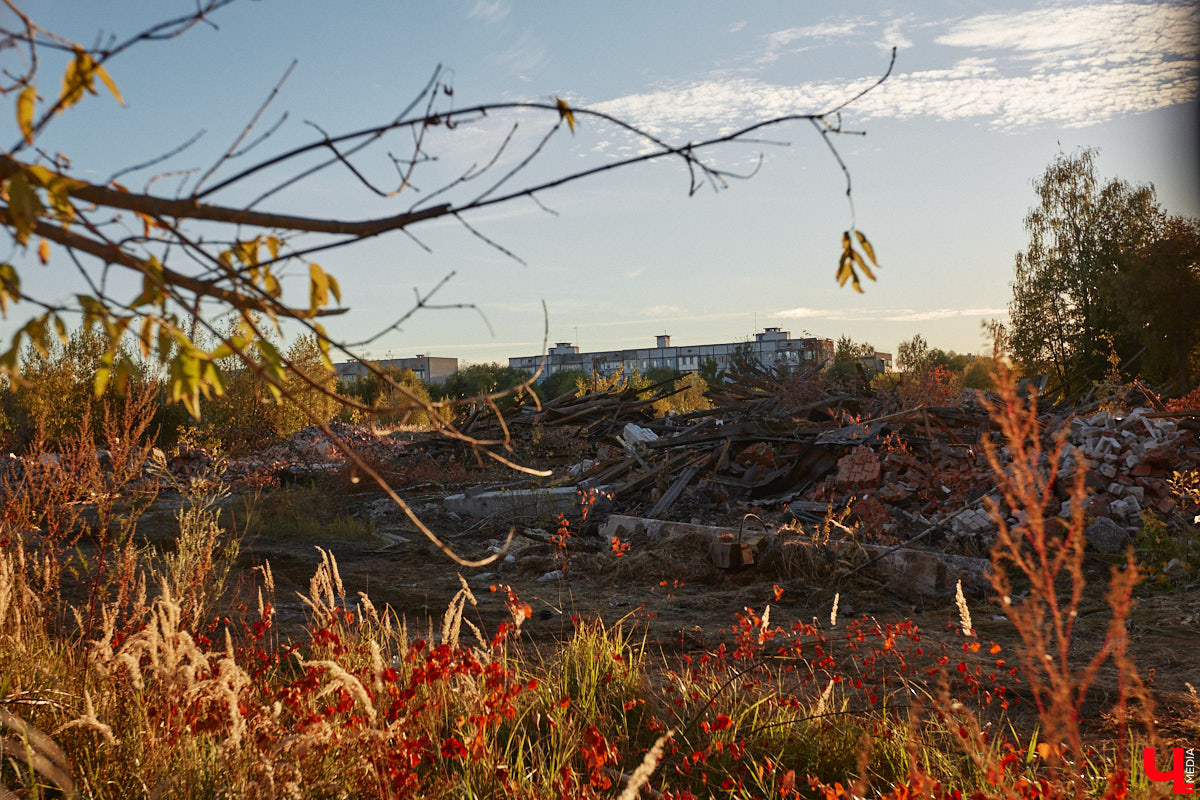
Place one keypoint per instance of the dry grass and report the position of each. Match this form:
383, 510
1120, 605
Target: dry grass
143, 697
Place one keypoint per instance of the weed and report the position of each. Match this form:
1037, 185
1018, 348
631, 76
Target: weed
303, 512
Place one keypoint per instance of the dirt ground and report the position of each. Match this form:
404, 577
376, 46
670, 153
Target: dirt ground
671, 589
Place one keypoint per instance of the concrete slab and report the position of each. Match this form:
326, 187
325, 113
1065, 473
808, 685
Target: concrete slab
519, 504
923, 572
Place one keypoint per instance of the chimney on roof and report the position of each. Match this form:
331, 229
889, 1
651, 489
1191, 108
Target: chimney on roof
663, 340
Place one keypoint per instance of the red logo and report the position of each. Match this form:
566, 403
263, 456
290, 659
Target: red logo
1181, 774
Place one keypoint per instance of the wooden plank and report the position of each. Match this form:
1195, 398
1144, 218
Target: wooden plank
672, 494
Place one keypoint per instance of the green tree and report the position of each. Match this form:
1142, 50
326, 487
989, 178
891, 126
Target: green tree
847, 367
710, 371
978, 374
309, 389
743, 360
1161, 295
1084, 240
955, 362
912, 354
561, 382
483, 379
56, 387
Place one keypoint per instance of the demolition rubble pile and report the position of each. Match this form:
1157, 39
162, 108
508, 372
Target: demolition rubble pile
306, 454
908, 482
791, 447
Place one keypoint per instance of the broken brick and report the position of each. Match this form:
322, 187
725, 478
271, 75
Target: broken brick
859, 470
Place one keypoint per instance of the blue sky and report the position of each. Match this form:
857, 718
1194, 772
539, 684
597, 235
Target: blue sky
982, 98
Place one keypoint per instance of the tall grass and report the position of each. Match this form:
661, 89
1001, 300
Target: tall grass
144, 697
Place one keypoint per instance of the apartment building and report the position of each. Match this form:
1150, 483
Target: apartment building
428, 368
771, 347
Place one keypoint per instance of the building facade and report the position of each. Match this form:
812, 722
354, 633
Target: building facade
428, 368
771, 347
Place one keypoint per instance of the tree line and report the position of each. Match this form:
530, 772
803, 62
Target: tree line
1109, 282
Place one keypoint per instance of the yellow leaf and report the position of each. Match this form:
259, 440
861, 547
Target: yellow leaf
247, 252
24, 207
100, 383
318, 287
125, 371
25, 106
44, 251
78, 74
60, 328
334, 289
146, 337
108, 81
35, 329
844, 270
565, 112
859, 260
214, 385
10, 286
867, 248
165, 341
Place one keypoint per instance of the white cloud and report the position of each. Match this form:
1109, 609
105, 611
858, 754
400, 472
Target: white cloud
1067, 66
1137, 30
892, 37
661, 310
524, 55
489, 12
737, 26
888, 314
945, 313
779, 42
801, 313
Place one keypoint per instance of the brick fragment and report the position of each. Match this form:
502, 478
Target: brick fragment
859, 470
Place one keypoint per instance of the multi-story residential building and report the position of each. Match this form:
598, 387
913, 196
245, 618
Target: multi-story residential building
428, 368
880, 362
771, 347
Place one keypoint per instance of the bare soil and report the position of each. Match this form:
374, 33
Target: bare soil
671, 589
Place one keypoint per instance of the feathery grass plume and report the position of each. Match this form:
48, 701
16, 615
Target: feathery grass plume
964, 613
820, 709
227, 687
367, 609
88, 720
268, 576
833, 611
376, 666
452, 620
19, 605
325, 589
342, 679
645, 769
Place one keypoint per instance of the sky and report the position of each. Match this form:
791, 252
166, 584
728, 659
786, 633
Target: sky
981, 99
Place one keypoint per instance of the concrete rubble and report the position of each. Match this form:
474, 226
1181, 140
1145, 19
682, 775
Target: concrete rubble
518, 504
914, 483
